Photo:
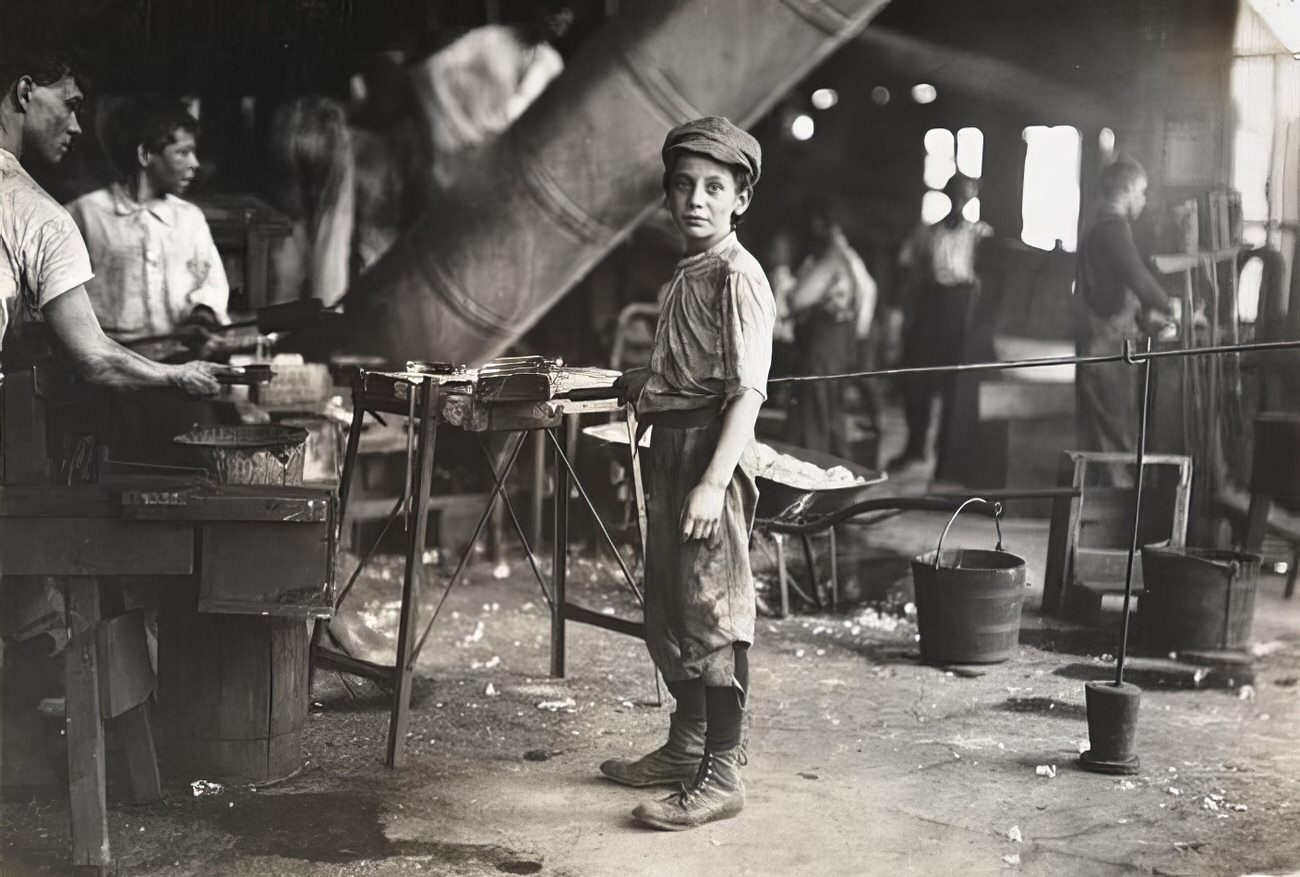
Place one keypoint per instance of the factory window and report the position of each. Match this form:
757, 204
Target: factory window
1050, 207
946, 154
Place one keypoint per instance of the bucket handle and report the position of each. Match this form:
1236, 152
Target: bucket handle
997, 522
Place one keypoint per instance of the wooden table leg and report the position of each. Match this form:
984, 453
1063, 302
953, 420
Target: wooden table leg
559, 562
538, 498
135, 733
403, 670
85, 730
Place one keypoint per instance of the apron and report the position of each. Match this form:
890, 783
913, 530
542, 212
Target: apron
699, 594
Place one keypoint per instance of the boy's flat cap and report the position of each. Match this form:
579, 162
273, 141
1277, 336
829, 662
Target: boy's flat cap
719, 139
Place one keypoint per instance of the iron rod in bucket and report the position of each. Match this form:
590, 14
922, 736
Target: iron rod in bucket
997, 522
1137, 501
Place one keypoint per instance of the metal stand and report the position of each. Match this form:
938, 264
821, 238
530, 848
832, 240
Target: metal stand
421, 401
1113, 709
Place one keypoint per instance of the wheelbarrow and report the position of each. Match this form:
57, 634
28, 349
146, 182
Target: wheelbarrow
784, 509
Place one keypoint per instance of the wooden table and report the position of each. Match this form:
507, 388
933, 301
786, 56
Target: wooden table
252, 551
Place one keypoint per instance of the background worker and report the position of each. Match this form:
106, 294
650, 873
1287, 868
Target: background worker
157, 269
1113, 289
941, 282
831, 304
44, 265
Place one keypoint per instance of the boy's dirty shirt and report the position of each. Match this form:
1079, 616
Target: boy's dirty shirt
713, 343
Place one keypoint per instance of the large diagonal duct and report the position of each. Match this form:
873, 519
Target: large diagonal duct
581, 168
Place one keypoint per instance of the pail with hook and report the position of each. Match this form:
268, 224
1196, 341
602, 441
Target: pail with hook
968, 600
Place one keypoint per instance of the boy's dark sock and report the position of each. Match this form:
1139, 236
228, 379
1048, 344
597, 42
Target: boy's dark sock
689, 694
725, 707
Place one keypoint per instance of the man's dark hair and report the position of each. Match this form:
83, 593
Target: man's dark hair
148, 122
959, 180
818, 209
45, 62
1119, 175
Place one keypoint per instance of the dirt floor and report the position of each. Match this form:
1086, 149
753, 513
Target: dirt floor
861, 759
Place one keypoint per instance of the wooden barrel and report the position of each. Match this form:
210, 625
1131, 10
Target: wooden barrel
1197, 598
232, 693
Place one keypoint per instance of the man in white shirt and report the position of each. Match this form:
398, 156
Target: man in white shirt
44, 265
157, 268
941, 284
831, 304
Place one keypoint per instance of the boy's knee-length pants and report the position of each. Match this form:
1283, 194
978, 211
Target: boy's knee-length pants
699, 594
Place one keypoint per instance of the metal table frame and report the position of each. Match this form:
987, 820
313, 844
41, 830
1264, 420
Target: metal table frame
422, 400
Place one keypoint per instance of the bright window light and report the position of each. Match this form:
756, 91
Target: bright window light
940, 157
802, 127
970, 152
1106, 145
938, 170
939, 141
924, 93
934, 207
1248, 287
1050, 208
971, 211
825, 98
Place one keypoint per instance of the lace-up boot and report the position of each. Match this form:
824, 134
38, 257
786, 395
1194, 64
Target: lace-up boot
673, 764
717, 792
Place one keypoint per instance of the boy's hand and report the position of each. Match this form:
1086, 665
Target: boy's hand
630, 384
703, 512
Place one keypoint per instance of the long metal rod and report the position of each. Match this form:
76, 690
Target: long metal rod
1137, 505
627, 573
469, 548
519, 530
1044, 361
370, 552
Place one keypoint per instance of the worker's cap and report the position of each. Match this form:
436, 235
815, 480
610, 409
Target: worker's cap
719, 139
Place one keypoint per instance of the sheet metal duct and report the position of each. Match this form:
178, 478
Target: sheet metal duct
581, 168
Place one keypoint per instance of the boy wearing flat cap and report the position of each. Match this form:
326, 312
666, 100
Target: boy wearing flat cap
706, 382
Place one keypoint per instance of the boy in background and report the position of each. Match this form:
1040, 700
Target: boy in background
702, 392
157, 268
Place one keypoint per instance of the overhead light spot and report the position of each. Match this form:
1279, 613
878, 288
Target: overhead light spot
802, 127
924, 93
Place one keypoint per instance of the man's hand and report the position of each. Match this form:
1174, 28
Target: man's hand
703, 511
631, 383
195, 378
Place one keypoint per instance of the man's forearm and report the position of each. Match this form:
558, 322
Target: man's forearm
95, 356
112, 365
738, 420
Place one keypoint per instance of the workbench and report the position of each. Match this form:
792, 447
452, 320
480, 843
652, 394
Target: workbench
429, 402
259, 557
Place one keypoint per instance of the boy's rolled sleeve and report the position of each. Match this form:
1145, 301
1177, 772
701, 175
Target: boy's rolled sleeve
212, 289
748, 319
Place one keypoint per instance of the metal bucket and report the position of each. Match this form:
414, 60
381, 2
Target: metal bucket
968, 601
255, 453
1197, 598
